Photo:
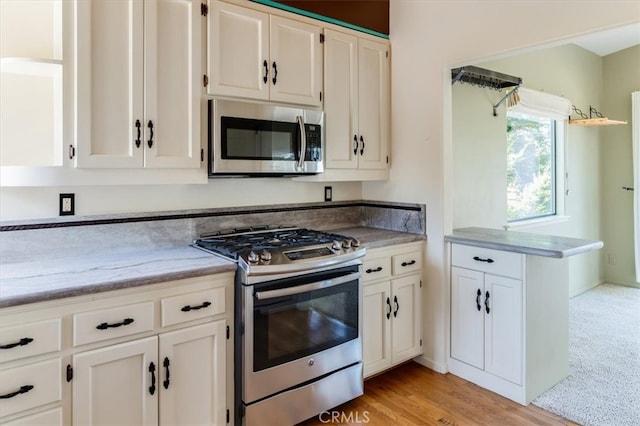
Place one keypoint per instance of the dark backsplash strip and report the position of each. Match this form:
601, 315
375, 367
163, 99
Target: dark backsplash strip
204, 214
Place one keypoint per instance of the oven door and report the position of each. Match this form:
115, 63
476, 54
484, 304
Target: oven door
299, 329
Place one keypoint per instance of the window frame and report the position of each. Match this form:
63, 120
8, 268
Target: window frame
560, 180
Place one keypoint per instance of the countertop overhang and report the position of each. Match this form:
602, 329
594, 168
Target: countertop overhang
523, 242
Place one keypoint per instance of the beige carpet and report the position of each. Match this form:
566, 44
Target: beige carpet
603, 386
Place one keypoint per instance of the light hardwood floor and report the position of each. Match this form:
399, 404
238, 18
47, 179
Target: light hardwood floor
414, 395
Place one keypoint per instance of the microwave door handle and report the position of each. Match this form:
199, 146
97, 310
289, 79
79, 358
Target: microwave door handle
303, 143
288, 291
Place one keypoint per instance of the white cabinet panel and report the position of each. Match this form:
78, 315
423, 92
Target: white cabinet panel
29, 339
467, 316
117, 385
30, 386
407, 315
376, 354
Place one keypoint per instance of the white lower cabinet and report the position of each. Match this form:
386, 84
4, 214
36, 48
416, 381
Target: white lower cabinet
122, 384
509, 321
157, 355
392, 306
486, 322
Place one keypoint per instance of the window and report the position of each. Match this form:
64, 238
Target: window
531, 166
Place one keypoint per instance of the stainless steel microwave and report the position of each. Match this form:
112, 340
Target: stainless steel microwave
258, 139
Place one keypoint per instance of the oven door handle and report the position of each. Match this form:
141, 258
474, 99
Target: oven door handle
288, 291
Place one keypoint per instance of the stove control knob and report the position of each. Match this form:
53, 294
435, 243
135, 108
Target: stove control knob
336, 245
346, 244
355, 242
253, 257
265, 256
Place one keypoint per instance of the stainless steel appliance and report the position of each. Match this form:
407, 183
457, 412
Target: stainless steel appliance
298, 321
258, 139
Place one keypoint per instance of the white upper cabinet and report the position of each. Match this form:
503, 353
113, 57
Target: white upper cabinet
255, 55
356, 102
138, 83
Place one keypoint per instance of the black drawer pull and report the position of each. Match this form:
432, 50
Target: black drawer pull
486, 302
479, 259
105, 325
23, 342
194, 308
412, 262
23, 389
395, 300
478, 297
370, 271
389, 308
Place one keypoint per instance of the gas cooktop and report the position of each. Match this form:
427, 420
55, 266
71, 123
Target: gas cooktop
266, 248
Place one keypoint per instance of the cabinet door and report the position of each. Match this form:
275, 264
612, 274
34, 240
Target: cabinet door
113, 385
341, 99
467, 316
296, 62
373, 103
406, 318
109, 75
172, 82
193, 375
376, 327
238, 51
503, 327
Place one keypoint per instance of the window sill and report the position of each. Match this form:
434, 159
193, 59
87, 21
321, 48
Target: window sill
532, 223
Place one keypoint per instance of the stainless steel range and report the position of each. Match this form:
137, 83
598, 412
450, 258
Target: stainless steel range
298, 321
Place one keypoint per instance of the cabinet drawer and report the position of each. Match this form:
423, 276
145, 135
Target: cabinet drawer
30, 386
187, 307
406, 262
373, 269
30, 339
109, 323
497, 262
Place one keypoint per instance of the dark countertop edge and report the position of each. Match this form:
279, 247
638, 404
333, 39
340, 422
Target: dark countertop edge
62, 293
534, 251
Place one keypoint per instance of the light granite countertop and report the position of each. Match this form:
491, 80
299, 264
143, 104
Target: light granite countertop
523, 242
37, 281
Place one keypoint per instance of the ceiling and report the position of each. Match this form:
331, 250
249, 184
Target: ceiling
606, 42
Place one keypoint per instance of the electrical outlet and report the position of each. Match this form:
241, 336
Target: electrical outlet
67, 204
611, 259
328, 193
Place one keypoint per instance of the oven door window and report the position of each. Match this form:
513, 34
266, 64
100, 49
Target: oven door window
292, 327
253, 139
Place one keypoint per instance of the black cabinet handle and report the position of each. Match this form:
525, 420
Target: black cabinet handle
478, 297
165, 364
388, 308
486, 302
150, 126
411, 262
362, 148
265, 78
275, 73
138, 127
105, 325
195, 308
152, 370
370, 271
355, 144
23, 342
395, 300
479, 259
23, 389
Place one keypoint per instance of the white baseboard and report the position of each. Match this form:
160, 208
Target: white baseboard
429, 363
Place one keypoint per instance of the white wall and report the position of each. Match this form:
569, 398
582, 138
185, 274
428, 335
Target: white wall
42, 202
428, 38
